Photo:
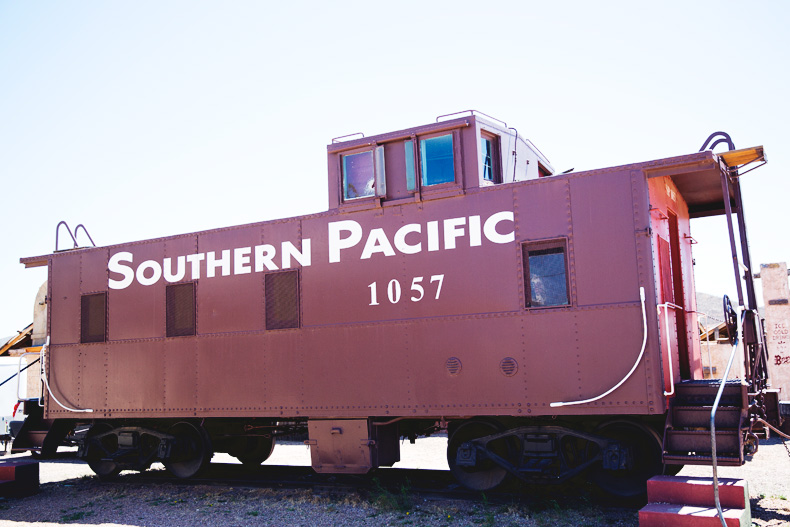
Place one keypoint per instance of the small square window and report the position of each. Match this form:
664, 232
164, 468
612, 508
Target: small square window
546, 274
282, 300
436, 160
93, 318
180, 310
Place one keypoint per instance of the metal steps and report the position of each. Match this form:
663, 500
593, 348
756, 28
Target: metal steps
687, 438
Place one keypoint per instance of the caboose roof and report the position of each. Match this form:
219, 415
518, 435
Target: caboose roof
698, 176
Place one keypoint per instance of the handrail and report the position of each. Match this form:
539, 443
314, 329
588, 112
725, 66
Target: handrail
666, 305
77, 231
57, 234
633, 369
713, 426
18, 374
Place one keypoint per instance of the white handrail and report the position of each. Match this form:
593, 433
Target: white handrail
633, 369
46, 383
666, 305
19, 375
714, 462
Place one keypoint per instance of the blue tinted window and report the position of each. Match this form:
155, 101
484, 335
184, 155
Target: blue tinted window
436, 157
548, 285
411, 183
358, 176
487, 153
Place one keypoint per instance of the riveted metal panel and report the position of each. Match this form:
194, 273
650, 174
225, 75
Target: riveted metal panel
469, 268
234, 302
479, 344
138, 311
93, 270
178, 363
338, 355
604, 247
230, 374
66, 377
135, 377
64, 301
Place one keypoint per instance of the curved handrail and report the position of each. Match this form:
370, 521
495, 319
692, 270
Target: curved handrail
44, 349
633, 369
77, 231
57, 234
713, 425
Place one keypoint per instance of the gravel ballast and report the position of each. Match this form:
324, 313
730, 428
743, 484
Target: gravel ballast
70, 494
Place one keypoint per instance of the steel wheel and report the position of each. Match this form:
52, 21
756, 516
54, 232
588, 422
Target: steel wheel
258, 449
101, 445
646, 459
190, 452
486, 474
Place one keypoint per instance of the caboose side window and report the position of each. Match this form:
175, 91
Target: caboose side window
359, 180
545, 274
363, 174
436, 160
93, 318
489, 157
180, 310
411, 179
282, 300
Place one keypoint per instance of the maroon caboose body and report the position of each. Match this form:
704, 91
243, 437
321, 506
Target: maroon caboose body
547, 321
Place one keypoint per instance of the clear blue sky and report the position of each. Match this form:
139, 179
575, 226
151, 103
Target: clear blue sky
143, 119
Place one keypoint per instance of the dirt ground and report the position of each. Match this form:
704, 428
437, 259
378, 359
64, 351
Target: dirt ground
70, 494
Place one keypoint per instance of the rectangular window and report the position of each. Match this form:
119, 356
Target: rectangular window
180, 310
363, 174
359, 180
93, 318
411, 179
489, 158
546, 274
436, 160
282, 300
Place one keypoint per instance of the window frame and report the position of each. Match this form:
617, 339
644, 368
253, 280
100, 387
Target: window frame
379, 174
496, 158
298, 299
455, 139
170, 330
540, 245
83, 324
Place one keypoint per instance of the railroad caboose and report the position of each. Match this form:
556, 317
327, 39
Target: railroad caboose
547, 321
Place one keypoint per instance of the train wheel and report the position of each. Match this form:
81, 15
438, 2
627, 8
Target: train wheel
486, 474
102, 445
191, 451
646, 459
258, 449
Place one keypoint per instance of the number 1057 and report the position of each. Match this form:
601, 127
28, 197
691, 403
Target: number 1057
417, 289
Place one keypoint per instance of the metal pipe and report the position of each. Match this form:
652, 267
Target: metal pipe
713, 428
666, 305
728, 208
